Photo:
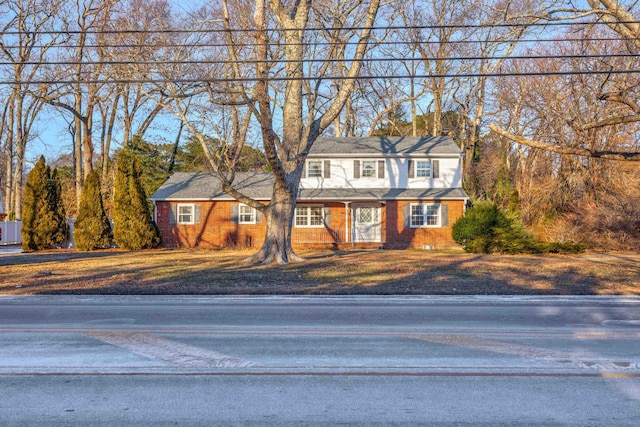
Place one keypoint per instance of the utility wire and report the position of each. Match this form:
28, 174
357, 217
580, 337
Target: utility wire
161, 45
205, 80
285, 61
343, 28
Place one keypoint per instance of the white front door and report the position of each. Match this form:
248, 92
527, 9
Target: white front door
366, 223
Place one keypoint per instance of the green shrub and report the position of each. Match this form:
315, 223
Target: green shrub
486, 229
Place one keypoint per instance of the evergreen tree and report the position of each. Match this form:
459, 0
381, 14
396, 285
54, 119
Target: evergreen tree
60, 216
92, 228
32, 204
133, 227
43, 223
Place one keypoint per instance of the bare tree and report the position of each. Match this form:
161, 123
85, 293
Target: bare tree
87, 21
24, 42
267, 80
622, 20
133, 40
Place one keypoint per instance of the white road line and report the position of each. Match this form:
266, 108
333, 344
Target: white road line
510, 349
173, 352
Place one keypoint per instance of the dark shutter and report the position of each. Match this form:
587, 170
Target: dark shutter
173, 213
197, 214
435, 166
380, 168
327, 169
356, 168
412, 172
304, 169
406, 212
327, 216
444, 215
258, 217
234, 213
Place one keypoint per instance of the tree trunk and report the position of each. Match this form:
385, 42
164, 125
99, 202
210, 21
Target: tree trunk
279, 215
87, 154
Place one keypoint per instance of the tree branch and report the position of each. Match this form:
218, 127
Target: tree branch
576, 151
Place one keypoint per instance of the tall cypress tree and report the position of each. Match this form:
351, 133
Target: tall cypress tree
45, 224
92, 228
43, 219
32, 203
61, 230
133, 227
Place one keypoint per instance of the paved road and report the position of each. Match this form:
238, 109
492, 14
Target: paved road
320, 361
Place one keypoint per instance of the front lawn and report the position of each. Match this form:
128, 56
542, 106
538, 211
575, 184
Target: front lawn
324, 273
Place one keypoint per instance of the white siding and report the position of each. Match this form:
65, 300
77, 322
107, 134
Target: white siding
396, 175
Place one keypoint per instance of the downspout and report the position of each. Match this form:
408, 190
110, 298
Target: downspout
346, 222
383, 205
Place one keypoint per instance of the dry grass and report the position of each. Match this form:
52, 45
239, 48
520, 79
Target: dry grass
324, 273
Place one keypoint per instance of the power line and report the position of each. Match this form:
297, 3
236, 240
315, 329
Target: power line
311, 60
162, 81
313, 29
315, 43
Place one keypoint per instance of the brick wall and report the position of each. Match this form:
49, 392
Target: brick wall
216, 230
399, 236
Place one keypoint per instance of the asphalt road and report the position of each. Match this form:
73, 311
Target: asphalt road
441, 361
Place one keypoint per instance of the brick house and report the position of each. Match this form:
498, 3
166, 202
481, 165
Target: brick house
390, 192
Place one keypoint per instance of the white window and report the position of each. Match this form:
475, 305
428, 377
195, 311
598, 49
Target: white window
309, 216
314, 169
423, 215
423, 169
369, 169
246, 214
186, 214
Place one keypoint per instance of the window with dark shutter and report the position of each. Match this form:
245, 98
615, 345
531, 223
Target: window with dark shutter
197, 214
435, 164
356, 168
412, 172
234, 213
444, 212
380, 168
173, 214
327, 169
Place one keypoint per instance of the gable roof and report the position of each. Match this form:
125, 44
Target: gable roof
386, 145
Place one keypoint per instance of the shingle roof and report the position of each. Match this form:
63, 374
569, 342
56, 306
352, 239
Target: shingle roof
386, 145
259, 185
206, 186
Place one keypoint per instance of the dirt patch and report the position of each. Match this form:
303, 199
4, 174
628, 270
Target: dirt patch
324, 273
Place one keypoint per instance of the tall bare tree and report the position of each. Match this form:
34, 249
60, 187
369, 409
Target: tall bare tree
24, 43
622, 20
87, 21
286, 95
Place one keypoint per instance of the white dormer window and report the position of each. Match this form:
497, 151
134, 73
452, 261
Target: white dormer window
314, 169
423, 169
368, 168
317, 169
